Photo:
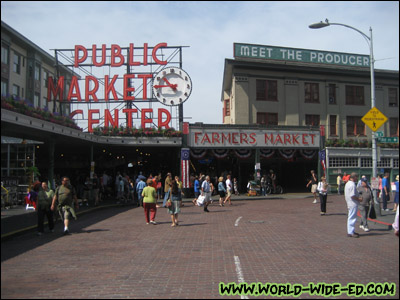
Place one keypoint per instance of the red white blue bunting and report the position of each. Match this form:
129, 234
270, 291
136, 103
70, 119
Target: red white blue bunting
198, 153
242, 153
267, 153
287, 153
220, 153
308, 154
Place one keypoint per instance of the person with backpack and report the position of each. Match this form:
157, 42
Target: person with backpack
65, 195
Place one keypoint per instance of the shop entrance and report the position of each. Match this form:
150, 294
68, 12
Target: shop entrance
292, 172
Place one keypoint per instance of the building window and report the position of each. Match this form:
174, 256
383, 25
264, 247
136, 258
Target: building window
332, 125
266, 90
4, 54
341, 162
37, 72
15, 91
4, 88
332, 93
312, 120
366, 162
311, 92
394, 126
45, 78
354, 95
227, 108
36, 102
395, 163
355, 126
267, 118
393, 102
17, 63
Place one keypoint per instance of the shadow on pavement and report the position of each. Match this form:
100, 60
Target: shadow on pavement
13, 246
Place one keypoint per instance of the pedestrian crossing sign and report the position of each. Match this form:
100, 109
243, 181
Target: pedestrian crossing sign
374, 119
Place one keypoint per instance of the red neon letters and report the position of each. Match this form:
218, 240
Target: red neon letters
113, 121
117, 58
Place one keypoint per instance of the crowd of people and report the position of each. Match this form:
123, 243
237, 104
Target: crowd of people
359, 198
149, 191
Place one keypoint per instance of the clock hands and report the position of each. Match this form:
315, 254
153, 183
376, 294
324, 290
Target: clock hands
172, 86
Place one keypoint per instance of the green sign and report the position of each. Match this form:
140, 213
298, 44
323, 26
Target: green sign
388, 140
379, 134
300, 55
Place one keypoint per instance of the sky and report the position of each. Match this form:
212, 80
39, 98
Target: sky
209, 29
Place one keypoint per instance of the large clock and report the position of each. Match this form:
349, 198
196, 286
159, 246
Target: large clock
172, 86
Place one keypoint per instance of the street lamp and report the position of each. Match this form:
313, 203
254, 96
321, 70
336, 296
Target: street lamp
371, 64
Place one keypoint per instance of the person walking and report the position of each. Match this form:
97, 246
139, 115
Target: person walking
139, 189
206, 191
149, 195
65, 194
221, 191
45, 198
339, 183
314, 185
322, 189
174, 209
236, 186
352, 200
229, 188
264, 185
366, 195
167, 188
385, 191
197, 191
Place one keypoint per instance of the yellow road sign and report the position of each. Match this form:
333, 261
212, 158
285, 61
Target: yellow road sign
374, 119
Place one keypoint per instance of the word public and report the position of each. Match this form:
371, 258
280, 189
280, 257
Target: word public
117, 60
57, 89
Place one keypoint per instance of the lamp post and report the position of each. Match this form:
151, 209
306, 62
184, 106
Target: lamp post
371, 64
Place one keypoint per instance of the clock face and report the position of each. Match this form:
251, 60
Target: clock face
172, 86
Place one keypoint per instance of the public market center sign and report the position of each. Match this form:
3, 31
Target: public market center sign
299, 55
114, 57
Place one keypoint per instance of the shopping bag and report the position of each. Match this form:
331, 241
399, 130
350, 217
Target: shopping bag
372, 214
200, 200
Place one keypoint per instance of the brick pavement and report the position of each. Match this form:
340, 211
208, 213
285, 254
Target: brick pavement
114, 254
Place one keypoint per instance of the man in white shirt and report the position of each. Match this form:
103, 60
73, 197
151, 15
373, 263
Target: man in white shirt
206, 191
352, 200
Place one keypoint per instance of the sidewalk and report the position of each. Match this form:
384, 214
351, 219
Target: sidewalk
112, 254
17, 220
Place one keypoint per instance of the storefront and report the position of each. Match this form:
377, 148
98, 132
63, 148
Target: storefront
250, 151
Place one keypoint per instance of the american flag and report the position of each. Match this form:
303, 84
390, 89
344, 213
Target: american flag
185, 165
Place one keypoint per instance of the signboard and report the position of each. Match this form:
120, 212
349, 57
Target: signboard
121, 78
247, 138
374, 119
388, 140
379, 134
375, 183
299, 55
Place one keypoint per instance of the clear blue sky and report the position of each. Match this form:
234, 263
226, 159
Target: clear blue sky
210, 29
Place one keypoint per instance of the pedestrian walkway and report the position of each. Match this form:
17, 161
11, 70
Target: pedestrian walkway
17, 220
112, 253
